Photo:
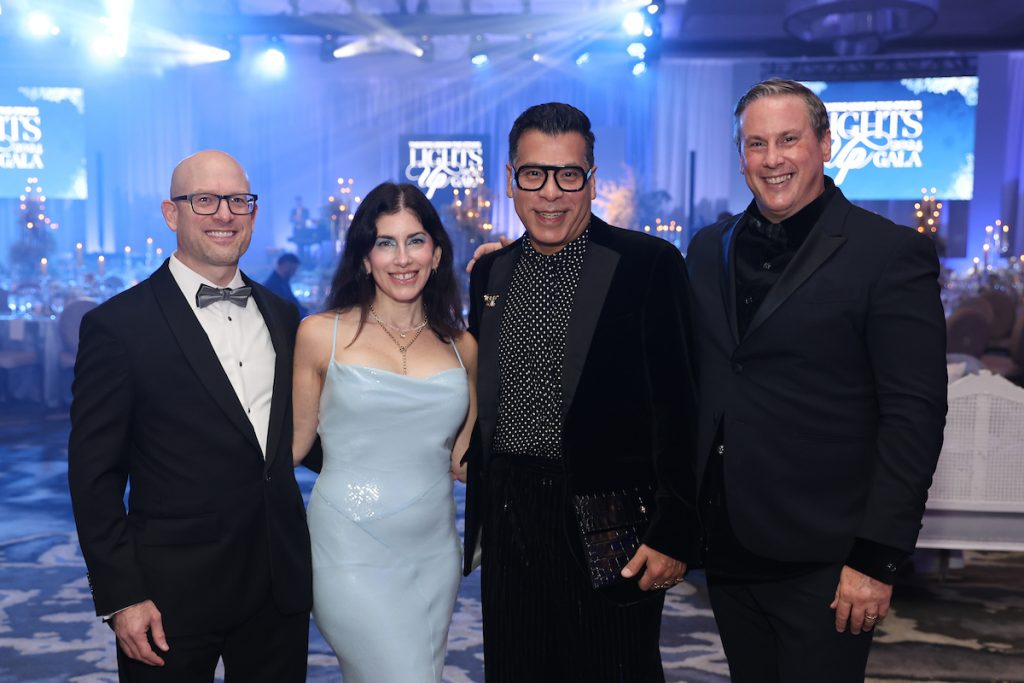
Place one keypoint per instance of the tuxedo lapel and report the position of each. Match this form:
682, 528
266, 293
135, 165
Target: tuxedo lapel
727, 281
282, 371
823, 240
595, 279
197, 349
495, 296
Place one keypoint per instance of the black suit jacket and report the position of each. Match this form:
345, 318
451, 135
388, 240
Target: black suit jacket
627, 398
833, 403
211, 527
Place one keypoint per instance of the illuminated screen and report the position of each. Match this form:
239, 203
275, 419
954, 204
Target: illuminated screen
890, 139
42, 136
439, 165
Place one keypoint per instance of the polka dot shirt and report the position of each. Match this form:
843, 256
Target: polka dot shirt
531, 349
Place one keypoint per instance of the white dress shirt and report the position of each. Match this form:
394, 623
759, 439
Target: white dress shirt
242, 342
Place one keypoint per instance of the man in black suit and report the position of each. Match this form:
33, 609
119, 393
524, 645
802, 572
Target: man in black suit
822, 402
584, 388
182, 391
279, 280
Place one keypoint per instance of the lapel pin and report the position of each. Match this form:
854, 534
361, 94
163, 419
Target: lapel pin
490, 300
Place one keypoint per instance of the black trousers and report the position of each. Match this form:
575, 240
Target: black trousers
542, 621
783, 631
268, 647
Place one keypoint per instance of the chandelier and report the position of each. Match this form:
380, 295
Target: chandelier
858, 27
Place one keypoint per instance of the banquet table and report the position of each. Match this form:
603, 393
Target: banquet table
42, 333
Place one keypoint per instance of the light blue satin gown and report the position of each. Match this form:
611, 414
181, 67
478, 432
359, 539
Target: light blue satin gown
386, 556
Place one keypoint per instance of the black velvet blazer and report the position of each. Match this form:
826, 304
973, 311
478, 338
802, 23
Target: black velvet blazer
628, 391
833, 403
211, 527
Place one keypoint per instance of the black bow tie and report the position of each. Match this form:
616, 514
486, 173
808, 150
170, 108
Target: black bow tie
208, 295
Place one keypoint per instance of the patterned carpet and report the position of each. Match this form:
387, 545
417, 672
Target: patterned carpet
968, 627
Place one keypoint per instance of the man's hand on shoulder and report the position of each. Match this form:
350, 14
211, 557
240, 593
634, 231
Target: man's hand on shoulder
486, 248
132, 627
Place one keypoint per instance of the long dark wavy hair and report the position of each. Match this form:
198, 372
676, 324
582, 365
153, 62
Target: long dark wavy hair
351, 286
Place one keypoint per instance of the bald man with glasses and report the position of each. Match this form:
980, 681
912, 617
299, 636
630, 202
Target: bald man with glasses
182, 394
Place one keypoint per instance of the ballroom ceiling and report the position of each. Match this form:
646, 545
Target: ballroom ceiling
690, 28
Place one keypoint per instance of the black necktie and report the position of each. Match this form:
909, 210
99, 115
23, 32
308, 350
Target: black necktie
208, 295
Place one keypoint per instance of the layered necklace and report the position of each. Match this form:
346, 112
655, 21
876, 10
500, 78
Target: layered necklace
403, 333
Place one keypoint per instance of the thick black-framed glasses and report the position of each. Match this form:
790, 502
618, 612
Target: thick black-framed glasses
207, 203
567, 178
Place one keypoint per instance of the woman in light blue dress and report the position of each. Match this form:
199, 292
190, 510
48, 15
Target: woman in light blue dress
386, 377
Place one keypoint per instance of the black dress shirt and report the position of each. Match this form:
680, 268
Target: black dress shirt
764, 249
531, 349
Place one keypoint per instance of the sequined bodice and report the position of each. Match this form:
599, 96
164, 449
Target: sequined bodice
387, 438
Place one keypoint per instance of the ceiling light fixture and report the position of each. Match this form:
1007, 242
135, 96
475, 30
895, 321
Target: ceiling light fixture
858, 27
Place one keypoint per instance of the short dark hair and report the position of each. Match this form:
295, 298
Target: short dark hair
817, 114
553, 118
287, 257
350, 286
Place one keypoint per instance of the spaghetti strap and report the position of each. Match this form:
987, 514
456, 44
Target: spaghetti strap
334, 340
457, 354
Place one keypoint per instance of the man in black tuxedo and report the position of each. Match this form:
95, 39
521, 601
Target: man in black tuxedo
584, 388
182, 391
821, 355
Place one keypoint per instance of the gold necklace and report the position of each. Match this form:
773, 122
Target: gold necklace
403, 333
402, 349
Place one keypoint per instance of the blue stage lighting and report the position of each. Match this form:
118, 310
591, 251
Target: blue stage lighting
634, 24
478, 50
38, 24
638, 50
644, 28
425, 47
101, 49
272, 62
194, 53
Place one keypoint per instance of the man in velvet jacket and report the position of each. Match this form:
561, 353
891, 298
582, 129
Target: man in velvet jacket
584, 387
183, 392
822, 402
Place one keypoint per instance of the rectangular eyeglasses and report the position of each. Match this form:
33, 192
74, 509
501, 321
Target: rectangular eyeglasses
207, 203
567, 178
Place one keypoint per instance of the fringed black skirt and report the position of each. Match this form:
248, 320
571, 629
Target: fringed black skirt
542, 620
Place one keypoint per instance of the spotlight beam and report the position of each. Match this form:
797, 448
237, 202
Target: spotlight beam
317, 24
119, 16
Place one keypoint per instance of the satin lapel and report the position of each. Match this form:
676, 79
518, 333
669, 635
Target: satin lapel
824, 239
727, 254
498, 281
595, 279
282, 371
198, 350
